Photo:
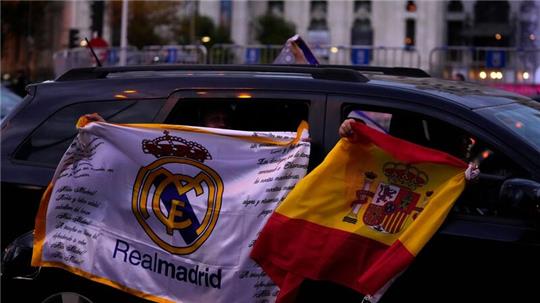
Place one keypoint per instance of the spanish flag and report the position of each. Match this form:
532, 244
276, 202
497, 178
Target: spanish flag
360, 217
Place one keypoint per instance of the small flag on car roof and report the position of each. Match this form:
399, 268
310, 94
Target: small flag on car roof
296, 51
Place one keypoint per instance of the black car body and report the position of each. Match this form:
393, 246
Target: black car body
489, 246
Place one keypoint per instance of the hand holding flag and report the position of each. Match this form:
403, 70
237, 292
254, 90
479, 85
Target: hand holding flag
360, 218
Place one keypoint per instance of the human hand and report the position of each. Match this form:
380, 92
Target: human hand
345, 130
472, 172
85, 119
95, 117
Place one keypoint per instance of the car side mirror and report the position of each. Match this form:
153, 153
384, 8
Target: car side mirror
521, 192
17, 258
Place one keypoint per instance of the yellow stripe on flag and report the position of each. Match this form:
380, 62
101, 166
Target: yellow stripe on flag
330, 201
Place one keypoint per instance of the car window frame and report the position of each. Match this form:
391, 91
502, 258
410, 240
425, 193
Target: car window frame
30, 163
316, 109
445, 111
458, 224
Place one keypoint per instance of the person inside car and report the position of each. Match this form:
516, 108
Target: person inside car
218, 116
462, 148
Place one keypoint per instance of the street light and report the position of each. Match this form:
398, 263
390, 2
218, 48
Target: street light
483, 75
205, 39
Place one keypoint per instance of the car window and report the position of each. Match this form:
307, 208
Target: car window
416, 128
49, 141
480, 198
523, 119
377, 120
8, 101
252, 115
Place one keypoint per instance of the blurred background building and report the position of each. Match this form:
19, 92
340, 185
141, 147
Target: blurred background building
477, 40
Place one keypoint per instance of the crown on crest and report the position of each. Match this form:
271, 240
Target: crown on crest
168, 145
405, 175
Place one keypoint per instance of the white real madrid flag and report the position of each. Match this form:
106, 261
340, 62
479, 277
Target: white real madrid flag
168, 213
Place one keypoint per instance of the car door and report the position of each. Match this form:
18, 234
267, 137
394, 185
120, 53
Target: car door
29, 159
252, 110
486, 243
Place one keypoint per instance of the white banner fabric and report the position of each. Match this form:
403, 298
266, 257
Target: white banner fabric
168, 213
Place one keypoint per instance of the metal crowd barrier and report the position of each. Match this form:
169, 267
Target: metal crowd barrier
243, 54
233, 54
326, 54
158, 54
486, 64
483, 64
373, 55
174, 54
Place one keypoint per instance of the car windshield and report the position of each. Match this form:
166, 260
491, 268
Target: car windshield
8, 100
522, 118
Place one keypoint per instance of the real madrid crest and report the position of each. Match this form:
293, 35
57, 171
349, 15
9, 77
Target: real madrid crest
177, 198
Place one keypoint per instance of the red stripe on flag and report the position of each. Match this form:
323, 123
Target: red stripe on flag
320, 253
403, 150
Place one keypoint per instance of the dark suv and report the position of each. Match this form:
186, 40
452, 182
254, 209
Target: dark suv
489, 246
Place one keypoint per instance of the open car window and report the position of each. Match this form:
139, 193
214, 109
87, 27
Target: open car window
250, 115
480, 198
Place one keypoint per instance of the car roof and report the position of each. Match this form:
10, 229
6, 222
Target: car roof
345, 78
469, 94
